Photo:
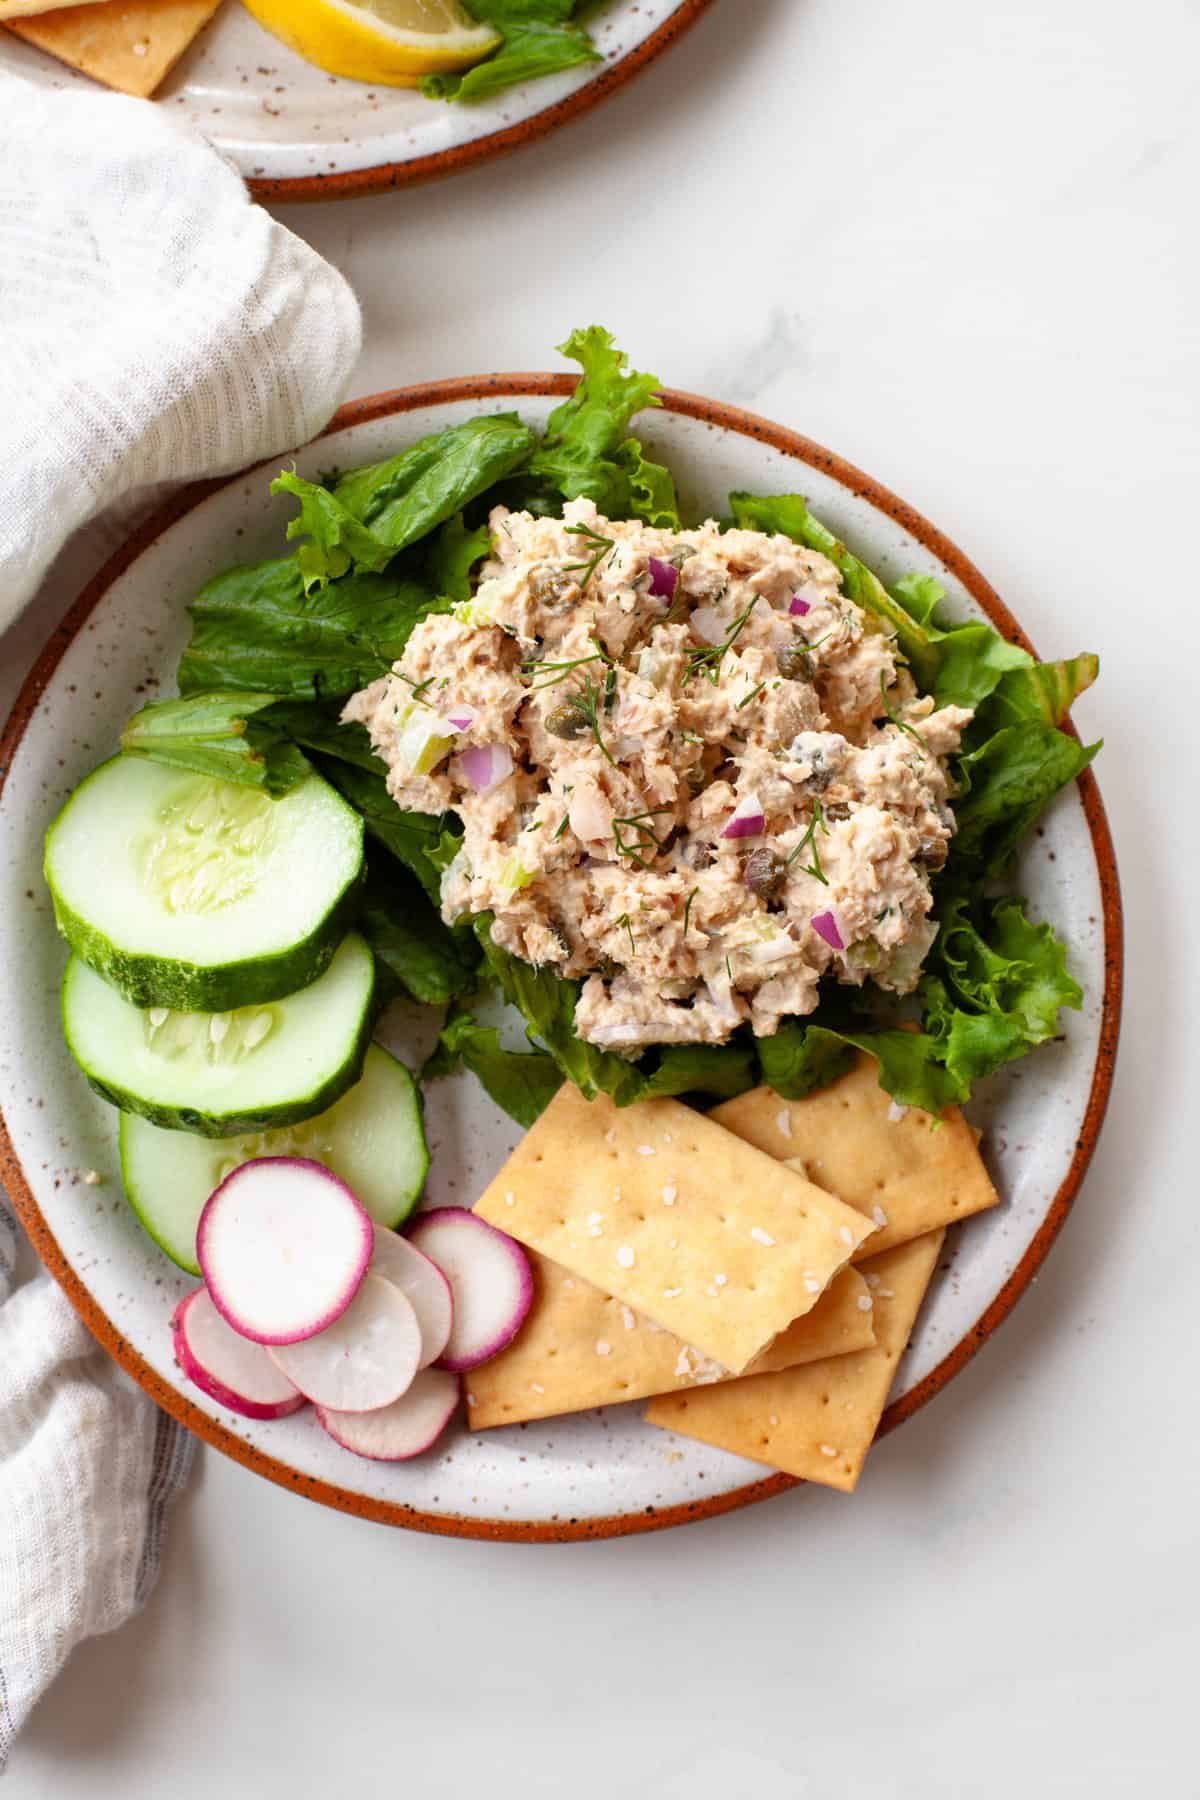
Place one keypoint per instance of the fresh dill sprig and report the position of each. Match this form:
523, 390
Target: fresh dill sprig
900, 724
593, 562
587, 703
556, 671
642, 842
418, 687
624, 921
810, 837
754, 691
687, 911
711, 657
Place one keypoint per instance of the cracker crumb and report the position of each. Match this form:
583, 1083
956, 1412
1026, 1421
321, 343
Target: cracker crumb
669, 1195
846, 1235
625, 1257
603, 1348
865, 1303
828, 1450
628, 1319
762, 1237
879, 1216
645, 1149
672, 1293
784, 1123
683, 1366
93, 1178
896, 1112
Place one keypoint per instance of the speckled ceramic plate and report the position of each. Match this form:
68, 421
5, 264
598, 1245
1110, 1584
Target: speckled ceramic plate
299, 134
597, 1473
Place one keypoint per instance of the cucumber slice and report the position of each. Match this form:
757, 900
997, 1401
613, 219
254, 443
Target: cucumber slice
372, 1140
198, 894
225, 1073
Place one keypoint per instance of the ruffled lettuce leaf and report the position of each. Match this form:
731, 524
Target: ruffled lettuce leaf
541, 37
259, 627
587, 451
454, 553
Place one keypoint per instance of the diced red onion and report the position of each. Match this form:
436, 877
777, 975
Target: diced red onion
462, 718
799, 606
746, 820
707, 621
825, 926
663, 578
486, 764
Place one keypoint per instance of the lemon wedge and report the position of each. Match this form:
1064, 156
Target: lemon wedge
392, 42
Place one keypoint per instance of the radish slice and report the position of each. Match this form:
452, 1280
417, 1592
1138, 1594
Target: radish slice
423, 1286
283, 1246
231, 1371
490, 1279
405, 1428
366, 1358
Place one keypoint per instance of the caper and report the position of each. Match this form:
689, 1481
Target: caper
764, 872
695, 779
795, 662
567, 721
932, 852
551, 587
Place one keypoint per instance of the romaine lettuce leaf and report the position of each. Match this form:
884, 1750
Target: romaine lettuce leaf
417, 953
234, 736
406, 497
256, 627
547, 1003
1005, 785
522, 1082
539, 39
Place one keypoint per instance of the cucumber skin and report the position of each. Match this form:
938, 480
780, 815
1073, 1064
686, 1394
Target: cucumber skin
185, 987
214, 1125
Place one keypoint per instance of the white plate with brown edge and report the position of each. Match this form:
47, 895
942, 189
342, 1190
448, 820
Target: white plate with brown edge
595, 1474
297, 133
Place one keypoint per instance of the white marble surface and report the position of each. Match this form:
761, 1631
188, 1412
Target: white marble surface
957, 247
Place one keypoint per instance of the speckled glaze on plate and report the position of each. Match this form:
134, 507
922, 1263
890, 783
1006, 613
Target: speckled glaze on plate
601, 1473
299, 134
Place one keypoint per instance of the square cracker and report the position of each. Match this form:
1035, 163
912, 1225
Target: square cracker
905, 1170
676, 1217
581, 1348
132, 47
819, 1421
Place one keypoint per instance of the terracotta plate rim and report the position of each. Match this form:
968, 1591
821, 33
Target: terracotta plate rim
791, 443
381, 178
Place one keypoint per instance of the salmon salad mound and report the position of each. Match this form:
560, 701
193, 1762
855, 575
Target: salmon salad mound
690, 771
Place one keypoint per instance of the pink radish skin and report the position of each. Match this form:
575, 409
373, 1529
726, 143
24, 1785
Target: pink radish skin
366, 1359
490, 1279
283, 1246
423, 1286
407, 1428
226, 1367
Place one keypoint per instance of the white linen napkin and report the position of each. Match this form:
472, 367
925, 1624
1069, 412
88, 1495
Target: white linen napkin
157, 327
